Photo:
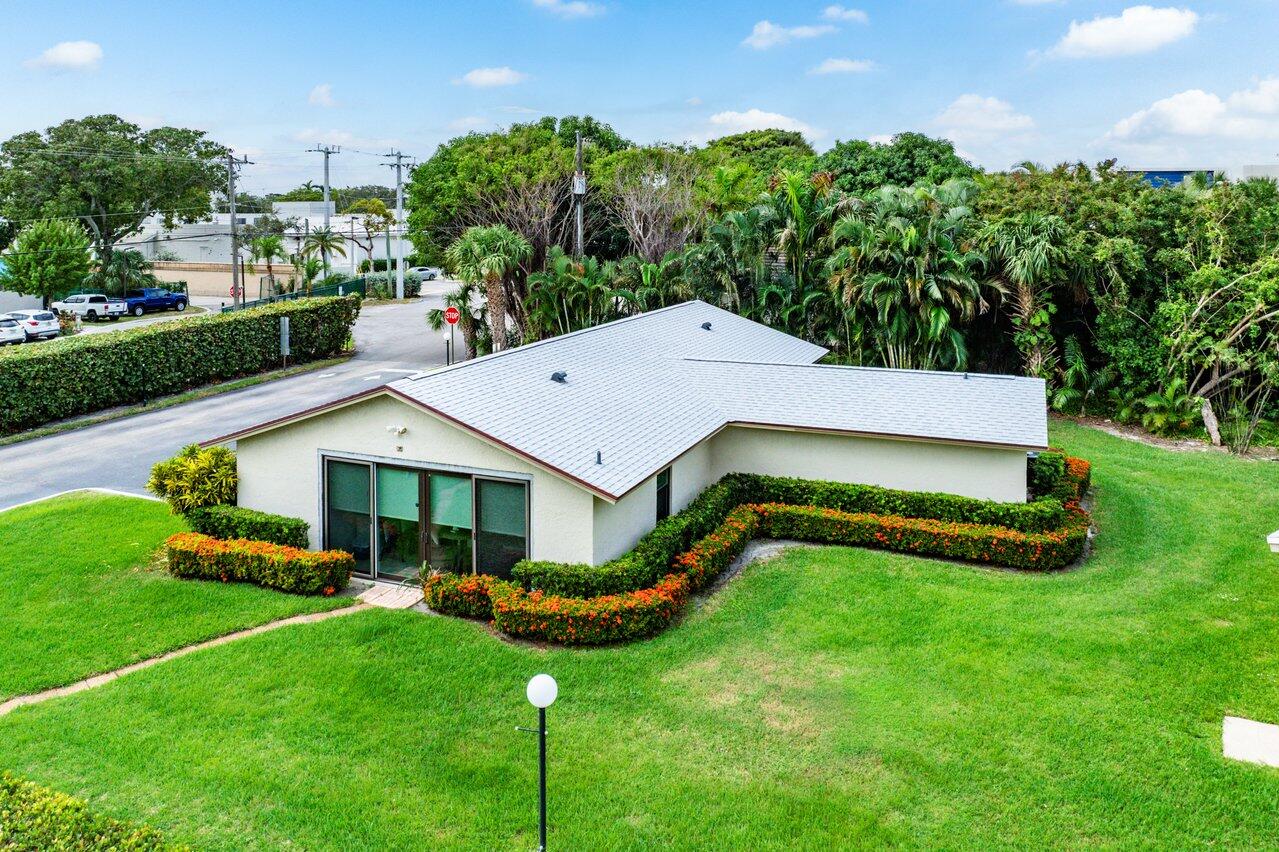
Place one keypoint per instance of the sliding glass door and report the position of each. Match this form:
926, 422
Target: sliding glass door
501, 536
451, 525
347, 523
395, 520
399, 530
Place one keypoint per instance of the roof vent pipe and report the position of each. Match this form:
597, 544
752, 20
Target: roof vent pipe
599, 457
560, 376
706, 326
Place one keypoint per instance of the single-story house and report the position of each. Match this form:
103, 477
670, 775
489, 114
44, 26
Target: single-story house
572, 448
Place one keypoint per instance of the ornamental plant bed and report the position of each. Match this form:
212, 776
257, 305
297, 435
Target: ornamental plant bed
542, 614
274, 566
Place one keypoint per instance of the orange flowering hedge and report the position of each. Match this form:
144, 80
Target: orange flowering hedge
275, 566
588, 621
973, 542
708, 558
466, 596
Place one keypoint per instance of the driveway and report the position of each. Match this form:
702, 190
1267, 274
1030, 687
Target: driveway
393, 341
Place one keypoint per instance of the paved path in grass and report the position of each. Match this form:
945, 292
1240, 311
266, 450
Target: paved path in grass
106, 677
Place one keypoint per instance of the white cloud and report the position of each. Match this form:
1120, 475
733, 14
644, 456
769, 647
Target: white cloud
839, 13
766, 34
694, 101
880, 139
979, 121
488, 78
69, 56
570, 8
468, 123
842, 66
1246, 114
1138, 29
725, 123
322, 95
313, 135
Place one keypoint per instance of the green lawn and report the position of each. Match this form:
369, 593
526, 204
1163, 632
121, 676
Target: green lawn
827, 699
77, 597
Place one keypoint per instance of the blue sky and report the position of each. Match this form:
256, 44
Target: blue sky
1186, 85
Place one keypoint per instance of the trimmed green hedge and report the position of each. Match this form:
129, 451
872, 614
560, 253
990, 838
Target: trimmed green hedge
239, 522
90, 372
37, 818
273, 566
653, 554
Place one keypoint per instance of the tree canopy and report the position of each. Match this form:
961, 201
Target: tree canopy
110, 175
862, 167
49, 258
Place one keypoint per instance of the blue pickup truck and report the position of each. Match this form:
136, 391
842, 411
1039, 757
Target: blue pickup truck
154, 299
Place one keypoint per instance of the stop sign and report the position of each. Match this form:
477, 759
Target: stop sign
452, 315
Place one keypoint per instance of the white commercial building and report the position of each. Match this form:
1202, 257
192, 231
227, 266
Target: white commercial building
572, 448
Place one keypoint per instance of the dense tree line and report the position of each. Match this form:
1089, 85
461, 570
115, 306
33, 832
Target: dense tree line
1152, 305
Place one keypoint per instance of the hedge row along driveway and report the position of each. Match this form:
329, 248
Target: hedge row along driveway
80, 375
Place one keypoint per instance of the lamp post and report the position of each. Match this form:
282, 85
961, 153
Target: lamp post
541, 691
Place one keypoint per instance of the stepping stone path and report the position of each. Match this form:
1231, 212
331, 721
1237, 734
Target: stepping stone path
1249, 741
388, 596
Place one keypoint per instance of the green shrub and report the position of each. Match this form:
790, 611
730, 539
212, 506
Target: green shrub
288, 569
992, 545
37, 818
238, 522
1044, 471
195, 478
1036, 516
466, 596
653, 555
90, 372
588, 621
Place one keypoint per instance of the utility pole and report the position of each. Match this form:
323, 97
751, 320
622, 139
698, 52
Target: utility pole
231, 165
327, 151
579, 193
398, 165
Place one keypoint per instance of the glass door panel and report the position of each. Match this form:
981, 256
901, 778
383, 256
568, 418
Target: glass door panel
398, 523
347, 493
451, 523
501, 538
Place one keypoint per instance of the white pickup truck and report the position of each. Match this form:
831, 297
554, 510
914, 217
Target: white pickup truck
93, 306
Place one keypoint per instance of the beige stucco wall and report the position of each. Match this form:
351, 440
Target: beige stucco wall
987, 473
280, 470
619, 525
203, 279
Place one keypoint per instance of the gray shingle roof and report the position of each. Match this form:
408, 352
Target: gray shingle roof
643, 390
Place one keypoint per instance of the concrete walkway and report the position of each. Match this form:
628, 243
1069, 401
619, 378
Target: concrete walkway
98, 680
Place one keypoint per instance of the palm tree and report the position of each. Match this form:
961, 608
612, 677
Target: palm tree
1026, 252
472, 326
267, 248
324, 242
905, 265
489, 255
126, 270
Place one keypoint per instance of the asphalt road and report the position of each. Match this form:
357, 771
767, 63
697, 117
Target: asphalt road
392, 341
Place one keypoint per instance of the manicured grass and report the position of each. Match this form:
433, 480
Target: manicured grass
830, 698
77, 595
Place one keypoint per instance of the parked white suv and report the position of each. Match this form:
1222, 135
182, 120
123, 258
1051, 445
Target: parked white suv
10, 331
93, 306
37, 324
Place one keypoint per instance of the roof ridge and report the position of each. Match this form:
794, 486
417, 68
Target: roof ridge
559, 337
963, 373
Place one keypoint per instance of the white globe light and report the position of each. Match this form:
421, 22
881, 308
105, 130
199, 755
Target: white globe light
542, 690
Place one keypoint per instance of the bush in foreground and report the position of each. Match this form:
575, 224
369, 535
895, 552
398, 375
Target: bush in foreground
195, 478
289, 569
238, 522
37, 818
90, 372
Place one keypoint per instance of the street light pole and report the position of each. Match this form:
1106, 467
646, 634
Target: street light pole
541, 692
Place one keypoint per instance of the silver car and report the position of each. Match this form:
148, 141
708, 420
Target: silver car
37, 325
11, 331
